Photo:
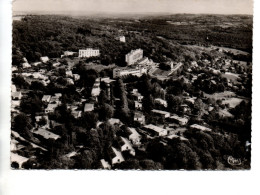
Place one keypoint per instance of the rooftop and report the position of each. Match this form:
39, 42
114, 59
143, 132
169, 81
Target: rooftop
46, 134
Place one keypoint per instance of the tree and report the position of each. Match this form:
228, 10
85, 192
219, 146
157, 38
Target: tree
22, 124
106, 112
164, 66
15, 165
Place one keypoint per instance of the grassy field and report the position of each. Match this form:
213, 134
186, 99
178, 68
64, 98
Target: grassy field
227, 97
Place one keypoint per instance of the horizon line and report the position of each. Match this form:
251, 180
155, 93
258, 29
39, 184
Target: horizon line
89, 13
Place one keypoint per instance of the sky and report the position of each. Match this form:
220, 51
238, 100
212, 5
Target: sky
136, 6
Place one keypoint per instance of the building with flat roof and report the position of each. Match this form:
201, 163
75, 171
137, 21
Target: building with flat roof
155, 130
138, 71
89, 52
134, 136
200, 127
132, 57
126, 145
16, 95
162, 113
122, 39
115, 156
179, 120
88, 107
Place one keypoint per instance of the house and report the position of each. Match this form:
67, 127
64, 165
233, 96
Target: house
180, 120
105, 164
36, 63
76, 113
46, 134
162, 113
122, 39
88, 107
19, 159
113, 121
155, 130
134, 136
76, 77
44, 59
26, 65
126, 145
69, 53
16, 95
115, 156
138, 97
46, 98
176, 136
58, 95
161, 101
14, 105
69, 73
56, 64
139, 117
13, 88
50, 108
70, 81
138, 105
199, 127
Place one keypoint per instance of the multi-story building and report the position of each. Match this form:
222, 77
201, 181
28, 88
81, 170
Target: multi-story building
122, 39
119, 72
133, 56
89, 52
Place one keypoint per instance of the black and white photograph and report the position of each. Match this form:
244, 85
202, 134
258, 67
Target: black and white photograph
131, 85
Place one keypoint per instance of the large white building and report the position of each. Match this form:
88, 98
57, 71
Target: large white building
133, 56
89, 52
138, 71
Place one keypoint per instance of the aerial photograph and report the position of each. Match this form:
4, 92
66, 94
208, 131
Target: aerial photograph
131, 84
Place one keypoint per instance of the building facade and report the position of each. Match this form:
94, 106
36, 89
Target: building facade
119, 72
89, 52
134, 56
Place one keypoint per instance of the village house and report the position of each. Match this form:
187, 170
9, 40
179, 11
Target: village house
139, 117
76, 77
19, 159
56, 64
138, 105
51, 107
69, 73
122, 39
46, 134
44, 59
76, 113
126, 146
161, 101
161, 113
70, 81
113, 121
137, 95
115, 156
180, 120
200, 127
105, 164
13, 88
155, 130
16, 95
134, 136
46, 98
88, 107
